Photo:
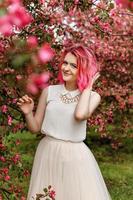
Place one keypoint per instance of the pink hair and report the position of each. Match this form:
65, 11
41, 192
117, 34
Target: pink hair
86, 63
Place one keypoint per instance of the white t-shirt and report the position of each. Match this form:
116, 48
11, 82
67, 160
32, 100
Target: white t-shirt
59, 121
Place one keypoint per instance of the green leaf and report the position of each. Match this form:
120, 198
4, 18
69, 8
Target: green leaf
45, 190
111, 5
19, 60
2, 12
21, 43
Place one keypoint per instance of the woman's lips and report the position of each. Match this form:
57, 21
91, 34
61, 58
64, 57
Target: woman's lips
66, 74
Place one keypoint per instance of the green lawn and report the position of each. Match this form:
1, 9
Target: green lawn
116, 165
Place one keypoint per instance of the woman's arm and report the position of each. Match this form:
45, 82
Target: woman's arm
40, 111
26, 104
88, 102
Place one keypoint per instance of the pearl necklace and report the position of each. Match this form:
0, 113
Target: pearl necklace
66, 98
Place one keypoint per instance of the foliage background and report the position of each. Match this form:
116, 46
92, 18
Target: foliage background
108, 30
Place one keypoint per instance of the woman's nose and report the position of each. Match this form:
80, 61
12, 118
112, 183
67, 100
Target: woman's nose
67, 67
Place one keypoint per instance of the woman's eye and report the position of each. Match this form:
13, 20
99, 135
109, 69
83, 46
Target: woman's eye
74, 66
71, 64
65, 63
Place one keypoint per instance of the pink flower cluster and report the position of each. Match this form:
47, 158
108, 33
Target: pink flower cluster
16, 15
17, 127
36, 82
45, 53
2, 158
5, 172
9, 119
16, 158
32, 41
4, 108
52, 194
125, 3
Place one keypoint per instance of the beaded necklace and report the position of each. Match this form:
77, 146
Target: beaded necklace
66, 99
66, 96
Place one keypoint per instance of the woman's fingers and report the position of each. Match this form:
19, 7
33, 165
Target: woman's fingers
19, 104
25, 99
30, 99
97, 76
21, 100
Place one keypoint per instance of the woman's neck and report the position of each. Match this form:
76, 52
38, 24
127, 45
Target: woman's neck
70, 86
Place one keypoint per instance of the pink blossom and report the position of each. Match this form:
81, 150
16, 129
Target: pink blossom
17, 142
130, 99
125, 3
26, 173
13, 1
73, 10
41, 80
7, 178
112, 13
16, 15
4, 108
5, 170
14, 100
2, 158
53, 2
32, 88
9, 118
52, 194
37, 81
32, 41
106, 26
19, 16
16, 158
23, 198
5, 26
18, 77
76, 1
17, 127
41, 1
2, 147
45, 53
102, 5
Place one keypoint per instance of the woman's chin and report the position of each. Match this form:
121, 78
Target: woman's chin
66, 78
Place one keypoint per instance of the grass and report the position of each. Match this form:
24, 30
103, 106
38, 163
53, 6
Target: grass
116, 165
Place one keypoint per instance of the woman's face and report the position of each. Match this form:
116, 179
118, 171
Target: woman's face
69, 68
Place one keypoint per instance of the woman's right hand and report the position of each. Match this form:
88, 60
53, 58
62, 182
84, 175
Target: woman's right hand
26, 104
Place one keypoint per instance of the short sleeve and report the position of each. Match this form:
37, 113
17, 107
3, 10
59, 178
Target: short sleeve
53, 93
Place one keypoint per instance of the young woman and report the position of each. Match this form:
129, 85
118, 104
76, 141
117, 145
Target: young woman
62, 159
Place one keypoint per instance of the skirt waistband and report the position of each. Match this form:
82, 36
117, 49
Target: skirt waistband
60, 140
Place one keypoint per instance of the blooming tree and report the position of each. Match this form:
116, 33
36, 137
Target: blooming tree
125, 3
32, 34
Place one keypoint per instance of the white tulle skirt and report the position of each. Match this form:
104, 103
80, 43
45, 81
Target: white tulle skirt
70, 168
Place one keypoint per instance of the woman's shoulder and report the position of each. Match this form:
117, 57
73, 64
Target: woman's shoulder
51, 91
